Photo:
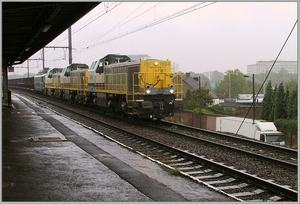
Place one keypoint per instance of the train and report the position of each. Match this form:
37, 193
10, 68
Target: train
144, 88
25, 83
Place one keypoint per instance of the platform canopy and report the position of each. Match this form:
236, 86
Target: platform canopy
27, 27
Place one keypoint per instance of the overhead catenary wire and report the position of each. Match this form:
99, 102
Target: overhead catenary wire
86, 23
106, 11
269, 72
148, 25
116, 26
97, 37
119, 24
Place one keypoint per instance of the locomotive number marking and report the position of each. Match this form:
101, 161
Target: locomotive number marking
147, 64
165, 63
161, 64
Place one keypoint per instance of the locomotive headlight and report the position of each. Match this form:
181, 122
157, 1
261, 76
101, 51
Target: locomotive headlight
155, 63
171, 88
148, 89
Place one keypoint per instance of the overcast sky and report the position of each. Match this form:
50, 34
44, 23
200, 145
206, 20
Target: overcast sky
210, 36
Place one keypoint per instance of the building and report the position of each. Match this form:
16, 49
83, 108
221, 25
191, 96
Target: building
264, 66
175, 67
214, 77
189, 83
210, 79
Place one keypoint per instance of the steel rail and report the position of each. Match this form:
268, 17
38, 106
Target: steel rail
258, 143
258, 156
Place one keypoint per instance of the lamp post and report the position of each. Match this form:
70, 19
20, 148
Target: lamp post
253, 97
229, 87
199, 101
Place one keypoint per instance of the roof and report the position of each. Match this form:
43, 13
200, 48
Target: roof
191, 82
27, 27
195, 85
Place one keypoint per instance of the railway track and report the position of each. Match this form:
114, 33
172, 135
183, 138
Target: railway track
283, 154
270, 153
225, 179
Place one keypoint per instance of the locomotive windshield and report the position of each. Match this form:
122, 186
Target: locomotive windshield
53, 71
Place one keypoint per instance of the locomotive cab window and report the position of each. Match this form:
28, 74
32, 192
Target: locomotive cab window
99, 68
67, 73
92, 66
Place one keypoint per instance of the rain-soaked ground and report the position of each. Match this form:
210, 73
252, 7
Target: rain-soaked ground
87, 167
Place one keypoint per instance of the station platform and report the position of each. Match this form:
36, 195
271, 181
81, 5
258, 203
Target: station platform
48, 158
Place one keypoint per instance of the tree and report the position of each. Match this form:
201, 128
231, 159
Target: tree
188, 95
206, 98
287, 99
271, 116
267, 104
291, 84
193, 101
233, 84
280, 101
292, 107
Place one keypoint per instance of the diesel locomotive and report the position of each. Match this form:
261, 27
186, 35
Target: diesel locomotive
145, 88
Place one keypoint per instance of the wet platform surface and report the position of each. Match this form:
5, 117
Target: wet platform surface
47, 157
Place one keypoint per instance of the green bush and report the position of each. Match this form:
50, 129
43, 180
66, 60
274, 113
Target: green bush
218, 109
287, 125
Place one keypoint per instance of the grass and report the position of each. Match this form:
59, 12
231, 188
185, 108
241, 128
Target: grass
133, 150
174, 172
173, 128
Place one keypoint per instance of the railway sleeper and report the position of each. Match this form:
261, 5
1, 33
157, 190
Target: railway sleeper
166, 154
173, 160
229, 180
275, 198
210, 176
172, 157
242, 185
243, 194
154, 155
187, 168
168, 160
181, 164
199, 172
150, 151
145, 145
